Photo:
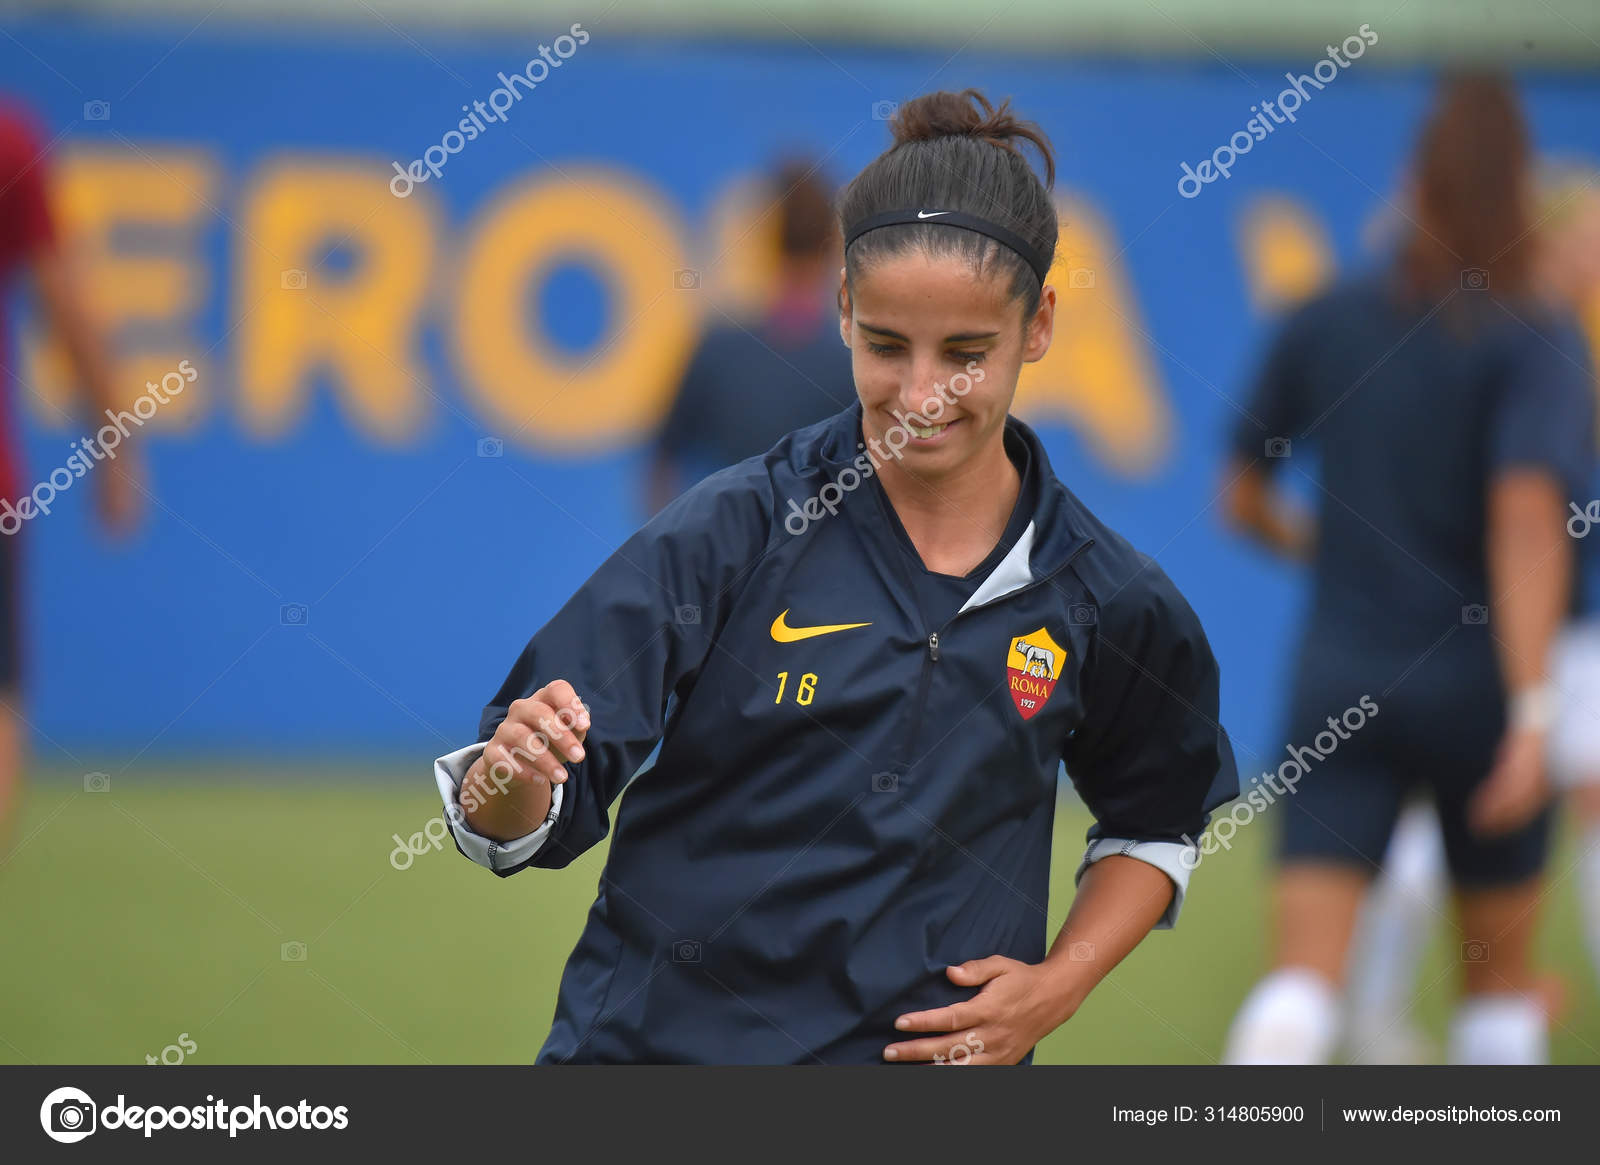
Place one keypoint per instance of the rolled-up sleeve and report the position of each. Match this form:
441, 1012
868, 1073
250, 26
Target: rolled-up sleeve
500, 856
1174, 859
1151, 759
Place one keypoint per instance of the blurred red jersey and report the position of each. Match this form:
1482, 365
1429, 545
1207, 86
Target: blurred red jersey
25, 229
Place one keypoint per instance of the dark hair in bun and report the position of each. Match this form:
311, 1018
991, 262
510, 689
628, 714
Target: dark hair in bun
805, 209
951, 154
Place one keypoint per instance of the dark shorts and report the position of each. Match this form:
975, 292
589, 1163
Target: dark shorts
10, 612
1434, 737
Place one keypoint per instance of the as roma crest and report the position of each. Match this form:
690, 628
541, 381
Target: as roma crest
1032, 665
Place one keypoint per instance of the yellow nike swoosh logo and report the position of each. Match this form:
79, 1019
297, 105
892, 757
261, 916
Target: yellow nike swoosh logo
784, 633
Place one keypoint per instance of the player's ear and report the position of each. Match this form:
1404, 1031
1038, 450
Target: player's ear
844, 308
1041, 328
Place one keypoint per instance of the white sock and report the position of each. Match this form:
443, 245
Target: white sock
1397, 920
1291, 1017
1499, 1029
1589, 893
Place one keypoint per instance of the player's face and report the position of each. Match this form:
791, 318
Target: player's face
920, 330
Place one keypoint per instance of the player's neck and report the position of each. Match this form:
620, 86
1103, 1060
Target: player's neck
955, 520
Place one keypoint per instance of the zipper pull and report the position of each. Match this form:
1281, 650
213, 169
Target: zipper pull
933, 646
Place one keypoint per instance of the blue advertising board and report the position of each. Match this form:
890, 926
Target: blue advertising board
429, 362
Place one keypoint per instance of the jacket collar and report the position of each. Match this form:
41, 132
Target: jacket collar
1054, 537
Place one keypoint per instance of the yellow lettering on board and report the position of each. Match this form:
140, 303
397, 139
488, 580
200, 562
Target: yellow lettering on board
741, 254
1098, 373
1285, 250
130, 221
297, 319
532, 392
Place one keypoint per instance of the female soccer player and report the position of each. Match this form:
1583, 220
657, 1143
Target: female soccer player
865, 653
1451, 432
750, 382
1407, 897
31, 246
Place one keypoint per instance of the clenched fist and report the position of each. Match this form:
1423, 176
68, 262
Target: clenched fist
506, 793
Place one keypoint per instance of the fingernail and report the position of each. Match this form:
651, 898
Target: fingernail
577, 752
891, 1054
902, 1023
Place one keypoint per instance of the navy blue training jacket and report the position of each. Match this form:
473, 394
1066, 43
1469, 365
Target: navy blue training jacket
836, 817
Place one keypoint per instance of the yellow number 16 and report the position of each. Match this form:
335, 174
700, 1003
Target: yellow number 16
803, 692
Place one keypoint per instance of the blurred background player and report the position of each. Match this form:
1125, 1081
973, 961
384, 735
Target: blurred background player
1451, 434
29, 247
746, 387
1406, 898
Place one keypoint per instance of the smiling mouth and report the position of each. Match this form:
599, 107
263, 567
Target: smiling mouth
928, 432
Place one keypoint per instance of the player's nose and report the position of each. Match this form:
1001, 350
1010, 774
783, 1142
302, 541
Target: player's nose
922, 386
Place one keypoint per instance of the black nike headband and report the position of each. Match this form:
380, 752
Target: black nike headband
1035, 258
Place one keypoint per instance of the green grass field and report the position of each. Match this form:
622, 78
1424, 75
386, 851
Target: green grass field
161, 907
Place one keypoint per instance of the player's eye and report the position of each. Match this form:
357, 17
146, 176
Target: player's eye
892, 349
